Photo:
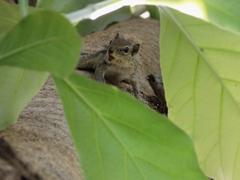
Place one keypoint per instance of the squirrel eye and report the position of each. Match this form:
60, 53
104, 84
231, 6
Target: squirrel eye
125, 49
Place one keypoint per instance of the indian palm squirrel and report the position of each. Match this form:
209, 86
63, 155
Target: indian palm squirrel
114, 64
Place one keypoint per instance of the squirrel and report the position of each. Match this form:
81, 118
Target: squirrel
114, 64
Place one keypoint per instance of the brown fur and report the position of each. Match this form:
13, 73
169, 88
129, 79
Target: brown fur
115, 64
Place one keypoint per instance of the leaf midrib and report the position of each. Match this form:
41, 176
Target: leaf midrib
201, 54
27, 47
184, 31
98, 113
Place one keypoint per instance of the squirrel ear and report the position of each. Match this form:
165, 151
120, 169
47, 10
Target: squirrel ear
135, 49
117, 36
110, 42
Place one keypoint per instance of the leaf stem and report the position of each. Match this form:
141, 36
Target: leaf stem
23, 5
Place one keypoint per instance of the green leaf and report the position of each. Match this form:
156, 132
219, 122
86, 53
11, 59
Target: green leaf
18, 86
43, 41
223, 13
200, 65
87, 26
220, 12
65, 6
119, 138
9, 16
154, 12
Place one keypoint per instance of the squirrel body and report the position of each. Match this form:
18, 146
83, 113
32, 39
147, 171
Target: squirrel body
117, 63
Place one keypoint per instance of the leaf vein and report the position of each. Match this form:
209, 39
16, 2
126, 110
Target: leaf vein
98, 113
27, 47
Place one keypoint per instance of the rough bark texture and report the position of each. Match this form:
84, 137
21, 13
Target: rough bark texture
40, 140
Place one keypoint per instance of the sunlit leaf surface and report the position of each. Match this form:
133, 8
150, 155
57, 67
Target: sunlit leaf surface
200, 65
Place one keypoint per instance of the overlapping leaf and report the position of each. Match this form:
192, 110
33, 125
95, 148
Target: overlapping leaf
200, 65
17, 86
43, 41
119, 138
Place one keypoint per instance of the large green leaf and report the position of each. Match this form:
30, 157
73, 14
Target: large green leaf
119, 138
200, 65
17, 86
43, 41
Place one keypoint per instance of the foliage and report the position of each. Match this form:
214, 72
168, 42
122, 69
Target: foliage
154, 12
116, 136
201, 76
222, 13
49, 46
122, 138
88, 26
9, 16
18, 86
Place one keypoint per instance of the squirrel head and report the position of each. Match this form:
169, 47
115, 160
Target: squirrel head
119, 47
